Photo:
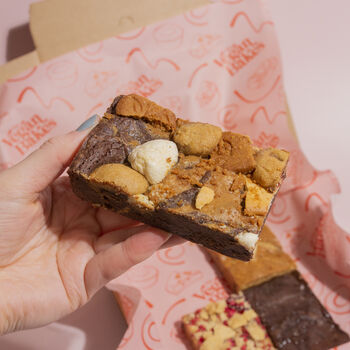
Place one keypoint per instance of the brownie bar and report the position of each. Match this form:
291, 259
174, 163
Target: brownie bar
292, 315
228, 325
210, 187
269, 261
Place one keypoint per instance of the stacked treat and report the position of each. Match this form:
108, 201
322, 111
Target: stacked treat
216, 189
272, 304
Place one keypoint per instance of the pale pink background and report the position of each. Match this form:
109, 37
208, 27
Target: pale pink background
313, 92
315, 51
98, 325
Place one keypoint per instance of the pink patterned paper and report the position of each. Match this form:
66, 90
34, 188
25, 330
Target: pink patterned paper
218, 64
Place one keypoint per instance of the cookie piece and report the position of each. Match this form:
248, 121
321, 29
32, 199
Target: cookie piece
270, 166
120, 177
142, 108
257, 199
235, 153
198, 139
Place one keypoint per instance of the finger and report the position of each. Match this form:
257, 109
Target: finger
112, 262
44, 165
111, 221
173, 241
108, 240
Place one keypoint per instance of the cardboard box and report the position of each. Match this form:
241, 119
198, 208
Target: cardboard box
56, 33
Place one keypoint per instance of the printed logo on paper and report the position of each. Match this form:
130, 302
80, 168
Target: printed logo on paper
236, 57
180, 280
212, 290
144, 86
27, 133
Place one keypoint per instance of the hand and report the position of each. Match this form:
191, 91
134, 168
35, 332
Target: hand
52, 255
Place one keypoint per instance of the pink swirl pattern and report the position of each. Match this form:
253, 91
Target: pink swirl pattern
62, 73
169, 36
218, 64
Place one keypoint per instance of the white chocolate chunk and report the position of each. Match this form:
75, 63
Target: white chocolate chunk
154, 159
256, 332
213, 342
247, 240
223, 331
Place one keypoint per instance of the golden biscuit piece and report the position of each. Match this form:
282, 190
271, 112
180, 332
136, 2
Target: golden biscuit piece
142, 108
270, 165
121, 177
257, 200
235, 152
197, 138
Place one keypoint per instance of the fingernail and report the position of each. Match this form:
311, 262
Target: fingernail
88, 123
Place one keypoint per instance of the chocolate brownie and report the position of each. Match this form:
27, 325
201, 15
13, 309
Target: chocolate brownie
191, 179
292, 315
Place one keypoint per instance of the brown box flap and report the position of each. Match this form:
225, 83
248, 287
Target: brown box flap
55, 33
60, 26
18, 65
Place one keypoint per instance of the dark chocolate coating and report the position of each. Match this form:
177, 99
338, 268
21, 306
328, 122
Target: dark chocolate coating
110, 142
292, 315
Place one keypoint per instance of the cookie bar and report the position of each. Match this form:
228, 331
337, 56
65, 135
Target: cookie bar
191, 179
226, 325
292, 315
269, 261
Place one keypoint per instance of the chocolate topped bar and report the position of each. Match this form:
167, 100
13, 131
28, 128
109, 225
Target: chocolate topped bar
226, 325
192, 179
292, 315
269, 261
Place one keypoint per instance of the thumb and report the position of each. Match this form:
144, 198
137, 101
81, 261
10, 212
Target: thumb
43, 166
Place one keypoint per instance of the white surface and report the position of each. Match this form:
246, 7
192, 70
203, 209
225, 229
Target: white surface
315, 47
